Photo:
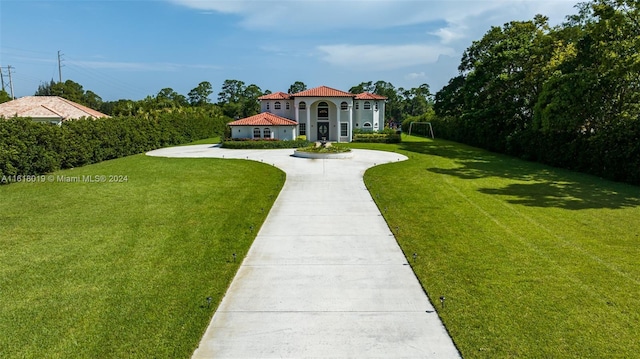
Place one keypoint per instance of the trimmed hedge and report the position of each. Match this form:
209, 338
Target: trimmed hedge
246, 144
377, 137
30, 148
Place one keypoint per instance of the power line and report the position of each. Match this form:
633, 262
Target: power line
4, 84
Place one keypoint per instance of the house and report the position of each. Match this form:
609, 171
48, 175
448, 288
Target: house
321, 113
48, 109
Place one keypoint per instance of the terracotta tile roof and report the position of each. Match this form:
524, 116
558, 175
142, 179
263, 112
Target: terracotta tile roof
369, 96
323, 91
263, 119
276, 96
53, 107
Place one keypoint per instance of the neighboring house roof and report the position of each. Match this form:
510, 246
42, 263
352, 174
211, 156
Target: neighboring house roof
276, 96
264, 119
52, 107
369, 96
323, 91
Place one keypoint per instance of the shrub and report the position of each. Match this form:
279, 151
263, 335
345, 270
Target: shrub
392, 137
246, 143
32, 148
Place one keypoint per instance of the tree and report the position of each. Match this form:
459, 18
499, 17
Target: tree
363, 87
297, 86
250, 103
4, 96
199, 96
232, 91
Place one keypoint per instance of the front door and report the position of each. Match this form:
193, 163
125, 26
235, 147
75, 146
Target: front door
323, 131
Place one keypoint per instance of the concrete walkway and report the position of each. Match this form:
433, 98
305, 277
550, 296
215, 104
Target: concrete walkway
325, 276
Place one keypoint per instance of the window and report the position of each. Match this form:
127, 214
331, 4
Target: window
376, 106
357, 105
256, 133
266, 133
267, 105
344, 129
302, 106
344, 106
367, 105
323, 110
303, 129
367, 126
287, 105
277, 105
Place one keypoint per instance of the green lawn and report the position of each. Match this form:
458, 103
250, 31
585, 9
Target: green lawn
123, 270
533, 261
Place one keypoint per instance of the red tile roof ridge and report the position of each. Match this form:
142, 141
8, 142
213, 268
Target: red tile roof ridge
369, 96
263, 119
276, 96
323, 91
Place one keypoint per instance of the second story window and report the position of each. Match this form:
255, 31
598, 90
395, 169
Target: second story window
277, 105
367, 105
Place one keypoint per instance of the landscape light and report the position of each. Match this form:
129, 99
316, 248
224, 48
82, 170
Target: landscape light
415, 255
442, 298
209, 302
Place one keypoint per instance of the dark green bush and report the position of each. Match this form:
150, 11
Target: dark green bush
246, 144
31, 148
392, 137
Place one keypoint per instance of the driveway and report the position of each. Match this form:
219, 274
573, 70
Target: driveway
324, 276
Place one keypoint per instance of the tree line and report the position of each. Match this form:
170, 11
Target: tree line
567, 95
236, 99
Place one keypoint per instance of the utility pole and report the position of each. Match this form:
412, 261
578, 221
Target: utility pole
10, 81
2, 78
60, 66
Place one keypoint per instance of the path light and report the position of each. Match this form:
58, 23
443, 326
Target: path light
442, 298
397, 229
415, 255
251, 229
209, 302
234, 257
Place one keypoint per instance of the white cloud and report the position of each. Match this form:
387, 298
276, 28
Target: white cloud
416, 76
382, 57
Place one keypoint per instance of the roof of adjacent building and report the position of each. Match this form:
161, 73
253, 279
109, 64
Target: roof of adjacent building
52, 107
264, 119
276, 96
369, 96
323, 91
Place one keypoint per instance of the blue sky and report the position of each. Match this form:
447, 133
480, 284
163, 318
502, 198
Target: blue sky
132, 49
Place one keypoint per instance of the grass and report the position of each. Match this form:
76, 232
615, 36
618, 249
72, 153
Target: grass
123, 270
532, 261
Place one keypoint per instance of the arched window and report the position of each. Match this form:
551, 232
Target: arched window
266, 133
367, 126
302, 106
256, 133
367, 105
277, 105
323, 110
287, 105
344, 106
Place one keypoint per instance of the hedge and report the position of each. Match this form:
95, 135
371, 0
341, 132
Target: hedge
246, 144
377, 137
30, 148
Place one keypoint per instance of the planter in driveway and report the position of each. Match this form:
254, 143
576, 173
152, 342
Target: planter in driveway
317, 155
